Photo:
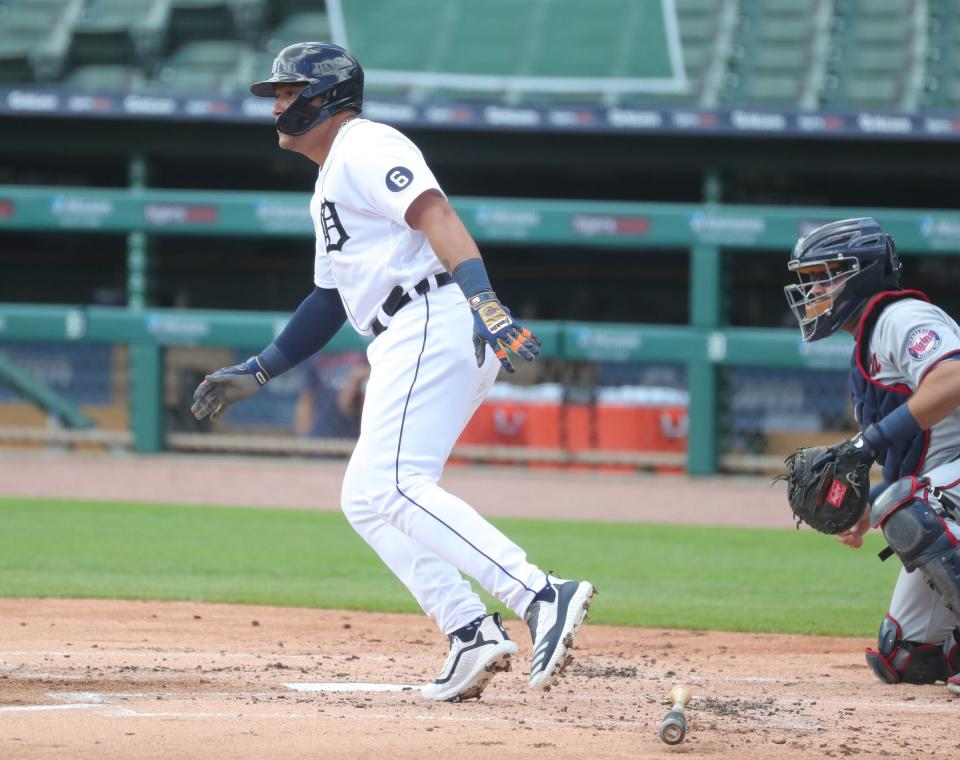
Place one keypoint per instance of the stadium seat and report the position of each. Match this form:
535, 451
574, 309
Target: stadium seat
870, 91
213, 19
952, 95
773, 53
686, 8
786, 8
781, 58
879, 59
279, 9
772, 90
213, 66
16, 64
299, 27
789, 30
896, 9
107, 77
194, 81
212, 55
34, 37
881, 30
107, 32
25, 21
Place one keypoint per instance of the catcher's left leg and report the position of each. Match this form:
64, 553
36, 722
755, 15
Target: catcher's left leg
918, 639
921, 536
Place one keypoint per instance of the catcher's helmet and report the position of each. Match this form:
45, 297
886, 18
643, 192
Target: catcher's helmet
327, 70
840, 266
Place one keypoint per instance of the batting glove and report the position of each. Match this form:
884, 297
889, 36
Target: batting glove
493, 326
227, 386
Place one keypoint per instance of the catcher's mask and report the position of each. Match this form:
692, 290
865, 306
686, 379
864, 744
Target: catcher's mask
839, 266
327, 70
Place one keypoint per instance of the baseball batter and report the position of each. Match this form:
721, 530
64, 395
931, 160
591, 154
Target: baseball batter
905, 385
395, 260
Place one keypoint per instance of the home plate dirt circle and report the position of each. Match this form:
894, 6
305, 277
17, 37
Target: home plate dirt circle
114, 679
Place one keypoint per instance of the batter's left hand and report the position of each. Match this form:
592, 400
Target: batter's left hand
227, 386
493, 326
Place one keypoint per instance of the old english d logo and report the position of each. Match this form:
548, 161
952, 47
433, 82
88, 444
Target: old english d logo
333, 232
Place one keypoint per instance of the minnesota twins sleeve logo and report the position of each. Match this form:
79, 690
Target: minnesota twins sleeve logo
334, 235
398, 178
922, 342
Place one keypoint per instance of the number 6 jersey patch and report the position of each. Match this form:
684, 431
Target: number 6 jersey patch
399, 178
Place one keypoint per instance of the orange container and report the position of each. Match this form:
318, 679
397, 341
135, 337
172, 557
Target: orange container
514, 423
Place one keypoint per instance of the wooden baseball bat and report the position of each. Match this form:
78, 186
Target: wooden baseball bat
673, 728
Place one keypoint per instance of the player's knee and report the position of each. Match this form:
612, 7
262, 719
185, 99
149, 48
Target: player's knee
353, 494
896, 660
380, 492
913, 529
392, 496
921, 537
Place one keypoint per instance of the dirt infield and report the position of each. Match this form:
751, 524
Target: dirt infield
131, 680
84, 679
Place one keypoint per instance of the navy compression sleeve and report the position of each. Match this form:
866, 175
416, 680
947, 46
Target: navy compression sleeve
317, 319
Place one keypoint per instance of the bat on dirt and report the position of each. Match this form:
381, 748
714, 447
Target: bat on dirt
673, 728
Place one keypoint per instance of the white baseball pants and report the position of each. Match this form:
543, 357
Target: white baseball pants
424, 386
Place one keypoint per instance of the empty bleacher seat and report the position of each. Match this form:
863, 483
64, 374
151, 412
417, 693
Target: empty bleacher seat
780, 58
881, 30
213, 19
107, 77
34, 36
871, 91
16, 61
298, 28
212, 55
107, 32
772, 90
194, 81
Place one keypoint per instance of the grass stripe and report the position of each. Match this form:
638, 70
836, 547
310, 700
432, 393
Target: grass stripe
650, 575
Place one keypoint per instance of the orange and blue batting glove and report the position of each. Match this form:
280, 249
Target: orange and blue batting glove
493, 326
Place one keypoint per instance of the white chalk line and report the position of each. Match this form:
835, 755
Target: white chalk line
79, 697
340, 686
44, 708
213, 655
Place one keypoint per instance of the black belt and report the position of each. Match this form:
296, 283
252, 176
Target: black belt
399, 298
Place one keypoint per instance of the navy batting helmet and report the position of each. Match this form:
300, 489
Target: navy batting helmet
326, 70
840, 266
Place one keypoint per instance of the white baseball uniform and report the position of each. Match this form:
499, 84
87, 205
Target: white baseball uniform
910, 338
424, 384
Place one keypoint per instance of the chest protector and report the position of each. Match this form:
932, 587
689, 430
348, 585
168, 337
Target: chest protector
873, 400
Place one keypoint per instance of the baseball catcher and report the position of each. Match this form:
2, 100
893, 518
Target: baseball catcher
905, 387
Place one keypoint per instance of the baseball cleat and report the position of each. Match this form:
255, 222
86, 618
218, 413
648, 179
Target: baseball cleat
471, 663
553, 625
953, 684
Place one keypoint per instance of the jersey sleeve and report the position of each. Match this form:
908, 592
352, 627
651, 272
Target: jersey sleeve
918, 338
388, 174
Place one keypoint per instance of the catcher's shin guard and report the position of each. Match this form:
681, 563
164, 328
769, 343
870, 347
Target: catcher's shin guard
920, 537
898, 661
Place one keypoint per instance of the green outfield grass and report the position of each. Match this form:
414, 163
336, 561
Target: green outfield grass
648, 575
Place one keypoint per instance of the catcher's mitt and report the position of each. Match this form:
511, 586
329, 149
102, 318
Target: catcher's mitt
832, 497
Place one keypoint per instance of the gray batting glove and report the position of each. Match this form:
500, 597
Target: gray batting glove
227, 386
